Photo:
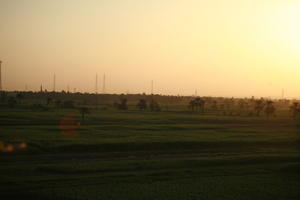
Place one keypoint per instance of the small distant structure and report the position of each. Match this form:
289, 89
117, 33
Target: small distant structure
41, 88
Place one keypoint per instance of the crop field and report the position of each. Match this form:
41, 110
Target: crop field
172, 154
150, 100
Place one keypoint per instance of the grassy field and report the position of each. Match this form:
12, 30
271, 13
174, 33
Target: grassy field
147, 155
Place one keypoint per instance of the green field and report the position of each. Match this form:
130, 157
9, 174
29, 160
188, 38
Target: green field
147, 155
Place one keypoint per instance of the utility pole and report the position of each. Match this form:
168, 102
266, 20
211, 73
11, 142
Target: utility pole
103, 89
96, 86
96, 90
54, 82
0, 76
152, 87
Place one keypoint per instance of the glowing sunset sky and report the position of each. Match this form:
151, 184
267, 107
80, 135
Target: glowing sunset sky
219, 47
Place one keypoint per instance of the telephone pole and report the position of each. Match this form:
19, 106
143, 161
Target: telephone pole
152, 87
103, 89
54, 82
96, 86
0, 76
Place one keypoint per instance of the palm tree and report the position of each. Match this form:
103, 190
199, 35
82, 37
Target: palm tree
154, 106
294, 109
228, 106
242, 106
197, 104
123, 104
259, 106
192, 105
83, 111
142, 104
19, 97
270, 109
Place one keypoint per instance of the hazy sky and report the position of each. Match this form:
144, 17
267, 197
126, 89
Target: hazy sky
219, 47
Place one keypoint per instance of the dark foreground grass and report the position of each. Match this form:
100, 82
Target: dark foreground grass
259, 177
144, 155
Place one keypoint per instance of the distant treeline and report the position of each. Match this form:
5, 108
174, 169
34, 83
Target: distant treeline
204, 105
93, 99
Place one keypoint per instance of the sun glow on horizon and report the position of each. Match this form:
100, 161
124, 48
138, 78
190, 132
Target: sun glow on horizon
287, 18
219, 47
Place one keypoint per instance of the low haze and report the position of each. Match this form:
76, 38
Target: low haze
218, 47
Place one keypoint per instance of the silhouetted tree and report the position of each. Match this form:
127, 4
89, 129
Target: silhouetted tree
19, 97
197, 104
122, 105
228, 107
142, 104
294, 109
270, 108
154, 106
192, 105
258, 106
83, 111
243, 106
